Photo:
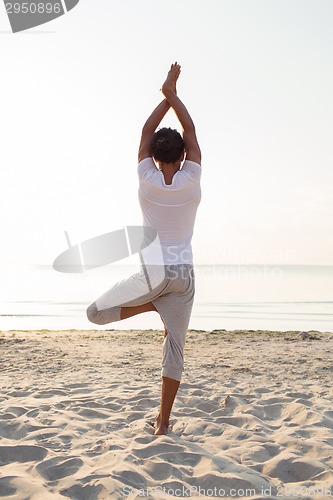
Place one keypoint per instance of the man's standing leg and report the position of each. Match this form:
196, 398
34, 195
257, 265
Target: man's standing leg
169, 391
175, 310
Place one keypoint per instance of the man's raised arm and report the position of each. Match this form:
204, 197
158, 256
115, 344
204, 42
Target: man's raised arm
193, 152
149, 128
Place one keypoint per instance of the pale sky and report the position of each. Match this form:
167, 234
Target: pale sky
257, 79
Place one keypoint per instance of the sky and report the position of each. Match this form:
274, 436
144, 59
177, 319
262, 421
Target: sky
257, 80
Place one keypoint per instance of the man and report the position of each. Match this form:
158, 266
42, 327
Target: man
169, 197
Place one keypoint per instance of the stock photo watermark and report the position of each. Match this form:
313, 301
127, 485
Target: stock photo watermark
224, 252
108, 248
215, 492
113, 247
24, 15
240, 272
143, 241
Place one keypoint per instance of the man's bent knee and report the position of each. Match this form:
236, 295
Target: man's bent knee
94, 315
104, 316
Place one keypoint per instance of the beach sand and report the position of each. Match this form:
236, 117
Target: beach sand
253, 417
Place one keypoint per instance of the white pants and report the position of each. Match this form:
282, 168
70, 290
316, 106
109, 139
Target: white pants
171, 290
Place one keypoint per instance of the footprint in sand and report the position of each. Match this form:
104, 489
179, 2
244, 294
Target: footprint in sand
131, 478
6, 489
14, 411
291, 469
88, 492
17, 431
156, 449
21, 453
59, 467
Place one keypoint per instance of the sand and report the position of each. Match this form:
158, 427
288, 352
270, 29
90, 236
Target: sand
253, 417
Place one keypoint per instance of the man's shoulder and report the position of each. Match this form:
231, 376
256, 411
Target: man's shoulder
146, 162
192, 169
147, 170
146, 165
193, 164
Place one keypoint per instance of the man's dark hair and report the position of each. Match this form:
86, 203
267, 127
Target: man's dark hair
167, 145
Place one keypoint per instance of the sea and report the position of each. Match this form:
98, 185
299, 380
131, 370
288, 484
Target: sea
230, 297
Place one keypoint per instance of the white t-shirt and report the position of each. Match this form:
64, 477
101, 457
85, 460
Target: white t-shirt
170, 209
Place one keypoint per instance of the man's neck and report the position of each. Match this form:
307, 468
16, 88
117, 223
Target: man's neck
169, 170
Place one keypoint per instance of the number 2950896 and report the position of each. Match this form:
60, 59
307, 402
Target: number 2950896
33, 8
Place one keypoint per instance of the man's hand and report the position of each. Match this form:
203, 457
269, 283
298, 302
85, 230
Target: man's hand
169, 86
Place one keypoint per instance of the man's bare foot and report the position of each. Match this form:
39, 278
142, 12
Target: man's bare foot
161, 430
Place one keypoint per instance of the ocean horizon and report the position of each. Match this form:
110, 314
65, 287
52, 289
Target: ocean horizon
254, 297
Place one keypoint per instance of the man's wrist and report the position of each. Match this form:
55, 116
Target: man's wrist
168, 93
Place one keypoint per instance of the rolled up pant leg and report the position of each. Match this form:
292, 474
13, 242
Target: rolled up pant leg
174, 341
175, 309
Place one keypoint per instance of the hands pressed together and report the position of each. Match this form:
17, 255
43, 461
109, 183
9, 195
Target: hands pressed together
169, 86
169, 90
